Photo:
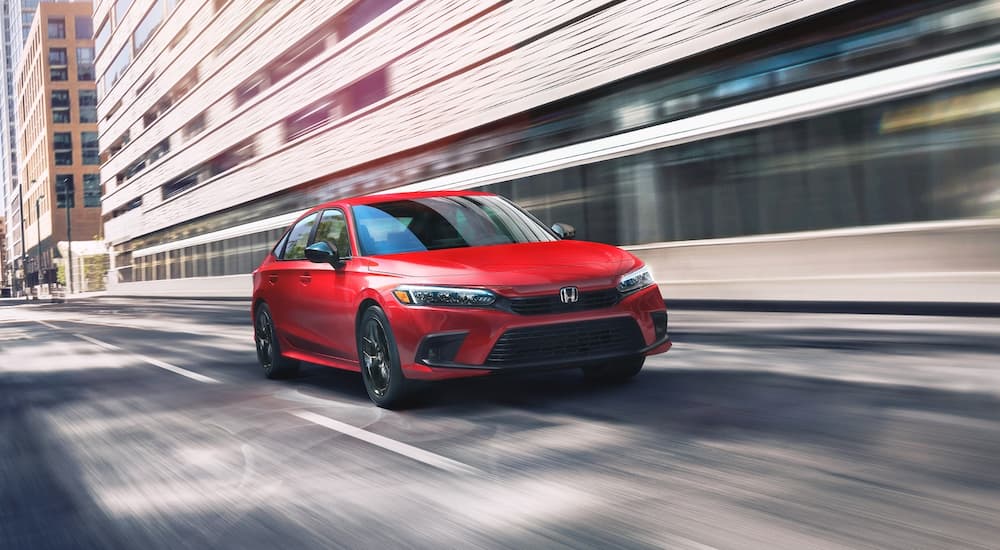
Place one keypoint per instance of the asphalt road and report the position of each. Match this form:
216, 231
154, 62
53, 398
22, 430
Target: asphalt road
133, 424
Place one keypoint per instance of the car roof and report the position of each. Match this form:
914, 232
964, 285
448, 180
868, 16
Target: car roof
375, 199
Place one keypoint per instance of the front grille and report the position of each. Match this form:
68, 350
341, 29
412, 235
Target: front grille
566, 341
551, 303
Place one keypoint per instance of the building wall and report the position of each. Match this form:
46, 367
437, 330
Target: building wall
514, 56
39, 77
4, 270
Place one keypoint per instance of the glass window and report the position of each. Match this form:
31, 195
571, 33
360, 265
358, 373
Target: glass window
60, 106
91, 190
443, 222
246, 90
194, 126
62, 147
59, 74
366, 91
103, 34
148, 24
298, 239
158, 151
57, 56
177, 185
65, 191
311, 117
120, 8
333, 230
88, 143
57, 27
84, 27
360, 14
85, 63
117, 68
88, 105
232, 157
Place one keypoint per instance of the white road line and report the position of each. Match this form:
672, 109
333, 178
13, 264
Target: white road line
50, 325
398, 447
178, 370
97, 342
155, 362
241, 337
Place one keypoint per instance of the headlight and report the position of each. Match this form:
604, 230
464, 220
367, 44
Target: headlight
443, 296
640, 278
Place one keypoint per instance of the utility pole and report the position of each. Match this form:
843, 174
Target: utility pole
24, 250
69, 195
38, 225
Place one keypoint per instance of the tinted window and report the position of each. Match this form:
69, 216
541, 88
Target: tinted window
443, 222
298, 239
333, 229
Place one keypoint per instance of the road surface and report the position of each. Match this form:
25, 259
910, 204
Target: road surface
148, 424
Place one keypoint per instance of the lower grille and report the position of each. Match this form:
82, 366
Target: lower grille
566, 341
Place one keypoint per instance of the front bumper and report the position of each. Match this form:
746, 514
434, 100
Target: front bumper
663, 343
469, 338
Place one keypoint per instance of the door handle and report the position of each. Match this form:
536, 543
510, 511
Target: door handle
305, 278
272, 279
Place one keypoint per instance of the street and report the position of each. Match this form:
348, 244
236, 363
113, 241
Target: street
133, 423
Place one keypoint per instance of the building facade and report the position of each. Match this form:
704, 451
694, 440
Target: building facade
5, 272
689, 132
18, 16
57, 133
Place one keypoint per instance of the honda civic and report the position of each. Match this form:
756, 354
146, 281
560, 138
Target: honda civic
436, 285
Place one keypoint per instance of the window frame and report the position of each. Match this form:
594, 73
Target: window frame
48, 27
288, 235
347, 228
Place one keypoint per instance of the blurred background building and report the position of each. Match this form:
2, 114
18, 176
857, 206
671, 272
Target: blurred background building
56, 104
751, 150
18, 16
5, 272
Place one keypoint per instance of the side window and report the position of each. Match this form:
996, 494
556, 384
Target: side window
298, 239
333, 229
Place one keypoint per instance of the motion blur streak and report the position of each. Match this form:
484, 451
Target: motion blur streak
757, 430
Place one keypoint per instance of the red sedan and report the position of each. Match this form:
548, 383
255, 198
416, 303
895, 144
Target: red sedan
428, 286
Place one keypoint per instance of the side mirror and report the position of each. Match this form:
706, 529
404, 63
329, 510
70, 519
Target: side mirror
323, 253
563, 230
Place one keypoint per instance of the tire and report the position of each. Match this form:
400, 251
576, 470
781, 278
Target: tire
268, 348
616, 371
379, 361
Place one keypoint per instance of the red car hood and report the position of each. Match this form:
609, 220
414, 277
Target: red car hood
513, 268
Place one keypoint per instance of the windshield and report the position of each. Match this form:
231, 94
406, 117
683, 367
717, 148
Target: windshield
436, 223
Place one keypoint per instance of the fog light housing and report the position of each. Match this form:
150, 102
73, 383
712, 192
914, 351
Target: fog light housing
659, 324
440, 348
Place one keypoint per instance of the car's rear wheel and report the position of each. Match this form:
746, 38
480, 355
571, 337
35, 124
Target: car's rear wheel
379, 358
268, 349
615, 371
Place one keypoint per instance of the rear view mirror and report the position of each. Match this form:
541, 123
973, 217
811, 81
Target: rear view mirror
323, 253
563, 230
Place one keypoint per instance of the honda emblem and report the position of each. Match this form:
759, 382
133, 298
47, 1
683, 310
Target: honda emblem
569, 294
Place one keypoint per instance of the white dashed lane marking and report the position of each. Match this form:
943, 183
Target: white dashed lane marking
388, 444
155, 362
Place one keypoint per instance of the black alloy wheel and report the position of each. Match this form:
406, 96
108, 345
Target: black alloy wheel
379, 359
268, 349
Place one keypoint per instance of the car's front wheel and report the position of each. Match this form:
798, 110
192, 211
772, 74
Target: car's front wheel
268, 348
615, 371
379, 358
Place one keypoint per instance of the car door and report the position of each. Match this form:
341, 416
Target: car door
289, 281
328, 316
